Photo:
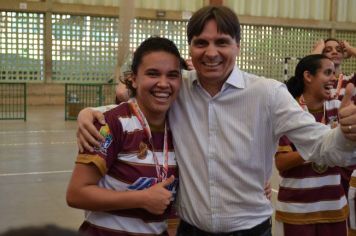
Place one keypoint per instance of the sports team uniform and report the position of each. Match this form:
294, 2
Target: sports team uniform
352, 204
311, 199
126, 162
338, 91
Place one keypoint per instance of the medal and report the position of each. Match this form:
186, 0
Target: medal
142, 151
319, 168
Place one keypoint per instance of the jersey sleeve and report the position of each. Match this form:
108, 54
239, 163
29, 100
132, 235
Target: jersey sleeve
105, 155
285, 145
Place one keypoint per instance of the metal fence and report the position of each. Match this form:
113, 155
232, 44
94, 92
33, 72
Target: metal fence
12, 101
79, 96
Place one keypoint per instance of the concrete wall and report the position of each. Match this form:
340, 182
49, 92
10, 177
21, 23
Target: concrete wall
45, 94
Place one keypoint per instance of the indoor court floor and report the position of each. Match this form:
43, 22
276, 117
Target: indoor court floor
36, 160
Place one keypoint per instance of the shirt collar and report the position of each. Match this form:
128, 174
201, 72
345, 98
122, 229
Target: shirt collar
235, 78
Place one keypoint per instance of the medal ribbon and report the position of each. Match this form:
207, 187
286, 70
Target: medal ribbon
161, 174
339, 84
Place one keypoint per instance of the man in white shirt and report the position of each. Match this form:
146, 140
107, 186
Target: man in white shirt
226, 125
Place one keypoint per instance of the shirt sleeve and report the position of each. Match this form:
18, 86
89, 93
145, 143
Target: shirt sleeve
314, 141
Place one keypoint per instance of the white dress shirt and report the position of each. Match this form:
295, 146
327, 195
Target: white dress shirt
225, 146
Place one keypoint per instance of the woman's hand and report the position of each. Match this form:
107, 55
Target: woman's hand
318, 47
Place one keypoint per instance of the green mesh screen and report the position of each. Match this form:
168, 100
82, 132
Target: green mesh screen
173, 30
264, 48
349, 65
84, 48
21, 47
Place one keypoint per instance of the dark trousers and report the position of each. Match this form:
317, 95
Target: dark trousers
263, 229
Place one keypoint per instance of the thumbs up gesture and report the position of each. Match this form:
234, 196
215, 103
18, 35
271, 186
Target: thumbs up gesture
157, 198
347, 114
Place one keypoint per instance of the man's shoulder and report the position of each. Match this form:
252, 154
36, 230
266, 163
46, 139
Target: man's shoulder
258, 80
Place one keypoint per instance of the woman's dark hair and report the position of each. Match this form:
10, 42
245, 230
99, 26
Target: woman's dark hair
309, 63
226, 20
152, 44
331, 39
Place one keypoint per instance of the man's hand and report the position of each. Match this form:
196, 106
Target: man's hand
268, 190
157, 197
347, 114
87, 134
122, 93
189, 64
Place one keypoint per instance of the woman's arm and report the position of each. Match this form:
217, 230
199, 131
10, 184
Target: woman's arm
83, 192
318, 47
350, 51
287, 160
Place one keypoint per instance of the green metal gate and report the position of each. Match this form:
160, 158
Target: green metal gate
13, 101
79, 96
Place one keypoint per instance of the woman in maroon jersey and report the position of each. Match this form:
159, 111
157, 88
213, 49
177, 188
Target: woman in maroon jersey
337, 51
128, 184
311, 200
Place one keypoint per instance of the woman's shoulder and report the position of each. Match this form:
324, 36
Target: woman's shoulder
121, 110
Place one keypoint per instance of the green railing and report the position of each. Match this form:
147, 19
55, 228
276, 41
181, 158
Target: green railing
79, 96
13, 101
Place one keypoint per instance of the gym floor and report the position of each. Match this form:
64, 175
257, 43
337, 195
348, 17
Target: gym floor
36, 160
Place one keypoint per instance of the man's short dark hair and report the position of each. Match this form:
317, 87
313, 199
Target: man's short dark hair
226, 20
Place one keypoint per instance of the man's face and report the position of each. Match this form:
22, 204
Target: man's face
213, 54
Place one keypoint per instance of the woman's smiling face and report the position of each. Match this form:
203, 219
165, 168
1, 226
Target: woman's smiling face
157, 82
321, 83
334, 51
